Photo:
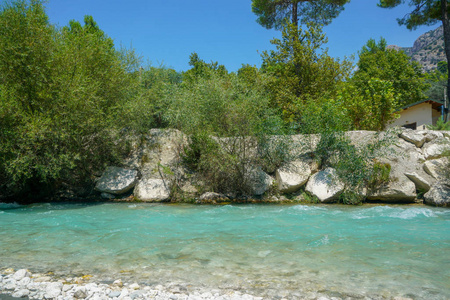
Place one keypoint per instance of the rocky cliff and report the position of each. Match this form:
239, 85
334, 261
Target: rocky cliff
154, 172
428, 49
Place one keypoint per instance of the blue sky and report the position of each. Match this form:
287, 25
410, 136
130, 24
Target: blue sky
168, 31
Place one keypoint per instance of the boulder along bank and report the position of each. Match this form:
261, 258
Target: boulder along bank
154, 171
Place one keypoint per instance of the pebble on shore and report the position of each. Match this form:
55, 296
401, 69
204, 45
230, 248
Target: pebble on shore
24, 284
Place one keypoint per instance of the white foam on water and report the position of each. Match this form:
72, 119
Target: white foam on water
308, 208
411, 213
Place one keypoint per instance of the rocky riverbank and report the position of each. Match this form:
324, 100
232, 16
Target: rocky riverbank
25, 285
154, 171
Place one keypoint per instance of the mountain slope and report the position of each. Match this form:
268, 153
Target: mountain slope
428, 49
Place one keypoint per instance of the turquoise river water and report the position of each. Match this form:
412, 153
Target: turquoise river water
374, 251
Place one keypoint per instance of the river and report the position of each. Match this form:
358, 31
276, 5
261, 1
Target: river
375, 251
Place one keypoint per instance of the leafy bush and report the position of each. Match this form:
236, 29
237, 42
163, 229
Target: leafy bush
225, 118
440, 125
62, 93
326, 124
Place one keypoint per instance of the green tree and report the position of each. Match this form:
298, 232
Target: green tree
370, 104
200, 69
390, 65
276, 13
301, 70
426, 12
26, 47
62, 93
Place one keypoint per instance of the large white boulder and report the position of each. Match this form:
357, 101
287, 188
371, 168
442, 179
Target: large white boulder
117, 180
292, 176
437, 149
436, 168
258, 181
421, 183
413, 136
325, 185
152, 190
397, 190
438, 195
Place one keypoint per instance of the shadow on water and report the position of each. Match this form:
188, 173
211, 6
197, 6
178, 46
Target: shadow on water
50, 205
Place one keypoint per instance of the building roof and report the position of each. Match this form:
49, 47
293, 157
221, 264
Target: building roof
435, 104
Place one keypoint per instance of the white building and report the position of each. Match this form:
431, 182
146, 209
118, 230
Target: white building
418, 115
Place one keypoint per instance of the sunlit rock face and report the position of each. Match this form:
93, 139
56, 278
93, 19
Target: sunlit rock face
117, 180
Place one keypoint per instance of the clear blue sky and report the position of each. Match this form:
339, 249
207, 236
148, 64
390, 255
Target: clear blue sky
168, 31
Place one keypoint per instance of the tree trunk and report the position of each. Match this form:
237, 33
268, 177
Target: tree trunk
446, 26
295, 13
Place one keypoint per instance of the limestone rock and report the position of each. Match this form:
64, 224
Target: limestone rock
420, 182
80, 292
134, 286
446, 133
114, 294
414, 137
436, 167
20, 274
436, 149
24, 281
399, 189
117, 180
358, 137
53, 290
209, 197
431, 135
438, 195
118, 283
152, 190
159, 147
325, 185
22, 293
258, 181
292, 176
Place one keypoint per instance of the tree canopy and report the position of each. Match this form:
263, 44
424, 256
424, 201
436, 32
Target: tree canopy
275, 13
301, 70
377, 61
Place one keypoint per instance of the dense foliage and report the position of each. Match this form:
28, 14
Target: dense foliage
276, 14
301, 71
62, 92
69, 99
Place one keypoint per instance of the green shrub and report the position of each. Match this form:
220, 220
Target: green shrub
228, 122
440, 125
62, 94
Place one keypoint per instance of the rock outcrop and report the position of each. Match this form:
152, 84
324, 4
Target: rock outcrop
325, 185
152, 190
292, 176
427, 50
258, 181
438, 195
417, 160
117, 180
